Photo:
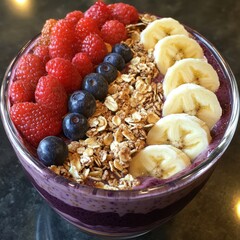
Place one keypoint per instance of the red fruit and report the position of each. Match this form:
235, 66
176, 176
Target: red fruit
124, 13
84, 27
42, 52
63, 70
83, 64
74, 16
30, 69
62, 40
95, 48
35, 122
99, 11
46, 32
21, 91
50, 93
113, 32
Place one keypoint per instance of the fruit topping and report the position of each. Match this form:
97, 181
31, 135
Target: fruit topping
194, 100
124, 13
62, 40
63, 70
95, 47
116, 60
84, 27
160, 29
21, 91
74, 16
46, 32
99, 12
30, 68
75, 126
96, 84
52, 150
124, 50
83, 64
51, 93
161, 161
182, 131
42, 52
35, 121
82, 102
174, 48
113, 32
191, 70
108, 71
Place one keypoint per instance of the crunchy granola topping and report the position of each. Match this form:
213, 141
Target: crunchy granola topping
119, 127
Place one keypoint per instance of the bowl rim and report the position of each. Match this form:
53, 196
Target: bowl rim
219, 150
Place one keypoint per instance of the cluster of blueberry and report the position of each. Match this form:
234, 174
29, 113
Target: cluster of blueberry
82, 104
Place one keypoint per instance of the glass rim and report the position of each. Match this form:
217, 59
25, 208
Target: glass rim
224, 142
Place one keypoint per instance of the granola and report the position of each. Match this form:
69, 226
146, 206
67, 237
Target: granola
119, 127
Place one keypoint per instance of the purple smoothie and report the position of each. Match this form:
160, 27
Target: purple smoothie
129, 212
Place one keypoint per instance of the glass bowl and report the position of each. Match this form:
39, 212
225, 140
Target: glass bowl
128, 213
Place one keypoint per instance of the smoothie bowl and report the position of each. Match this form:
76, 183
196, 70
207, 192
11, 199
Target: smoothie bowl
137, 159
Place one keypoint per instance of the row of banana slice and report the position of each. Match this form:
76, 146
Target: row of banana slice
191, 107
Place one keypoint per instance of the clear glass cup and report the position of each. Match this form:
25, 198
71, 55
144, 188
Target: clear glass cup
128, 213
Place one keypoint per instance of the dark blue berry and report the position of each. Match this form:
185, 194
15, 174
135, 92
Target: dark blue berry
82, 102
52, 151
96, 84
75, 126
124, 51
116, 60
108, 71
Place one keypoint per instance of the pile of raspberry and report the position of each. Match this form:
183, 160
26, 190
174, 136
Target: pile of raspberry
68, 50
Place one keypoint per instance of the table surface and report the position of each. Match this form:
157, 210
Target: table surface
215, 211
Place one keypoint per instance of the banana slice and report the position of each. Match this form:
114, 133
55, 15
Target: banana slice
161, 161
159, 29
183, 131
190, 70
173, 48
194, 100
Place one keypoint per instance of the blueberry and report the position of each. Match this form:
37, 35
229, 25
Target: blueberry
82, 102
96, 84
52, 151
116, 60
124, 51
75, 126
108, 71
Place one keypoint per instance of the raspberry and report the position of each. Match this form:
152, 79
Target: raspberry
35, 121
65, 72
99, 11
113, 32
42, 52
50, 93
84, 27
21, 91
30, 69
83, 64
95, 48
74, 16
124, 13
46, 32
62, 40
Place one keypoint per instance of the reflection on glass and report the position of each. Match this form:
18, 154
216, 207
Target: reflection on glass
21, 7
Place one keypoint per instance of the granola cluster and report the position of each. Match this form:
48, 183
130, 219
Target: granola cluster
119, 127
